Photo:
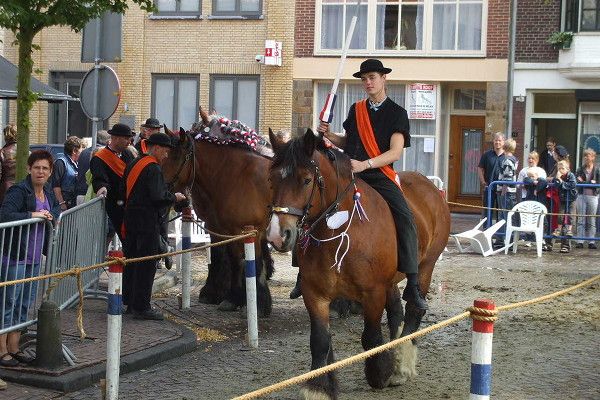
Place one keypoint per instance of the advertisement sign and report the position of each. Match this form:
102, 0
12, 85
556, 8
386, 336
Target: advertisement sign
422, 101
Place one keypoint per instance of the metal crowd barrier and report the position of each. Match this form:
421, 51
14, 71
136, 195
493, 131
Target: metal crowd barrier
79, 240
19, 302
491, 194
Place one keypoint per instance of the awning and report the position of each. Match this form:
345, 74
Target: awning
8, 85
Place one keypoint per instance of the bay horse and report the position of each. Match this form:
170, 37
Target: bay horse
358, 259
229, 188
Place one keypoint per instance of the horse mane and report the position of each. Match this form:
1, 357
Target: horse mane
292, 156
232, 133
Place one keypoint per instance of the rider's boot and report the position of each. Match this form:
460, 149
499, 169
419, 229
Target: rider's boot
296, 291
412, 295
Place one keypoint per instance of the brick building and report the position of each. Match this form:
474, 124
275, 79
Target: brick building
458, 49
187, 54
557, 90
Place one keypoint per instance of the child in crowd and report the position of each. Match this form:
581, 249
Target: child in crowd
587, 199
508, 172
534, 179
567, 194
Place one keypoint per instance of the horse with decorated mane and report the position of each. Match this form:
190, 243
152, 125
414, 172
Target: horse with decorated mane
225, 165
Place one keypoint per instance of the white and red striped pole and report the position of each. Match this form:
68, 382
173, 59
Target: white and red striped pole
481, 351
114, 323
186, 258
251, 306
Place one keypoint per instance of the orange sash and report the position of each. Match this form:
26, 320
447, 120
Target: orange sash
143, 146
115, 163
367, 137
135, 172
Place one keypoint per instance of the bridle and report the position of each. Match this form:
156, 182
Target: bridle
190, 155
318, 182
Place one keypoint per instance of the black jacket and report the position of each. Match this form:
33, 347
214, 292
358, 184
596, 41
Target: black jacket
595, 176
149, 198
18, 204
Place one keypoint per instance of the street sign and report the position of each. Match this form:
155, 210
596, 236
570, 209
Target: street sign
105, 80
103, 34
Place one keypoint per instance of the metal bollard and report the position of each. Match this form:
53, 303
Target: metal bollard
48, 340
114, 323
186, 258
251, 308
481, 353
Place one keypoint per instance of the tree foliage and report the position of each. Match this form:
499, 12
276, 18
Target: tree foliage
26, 18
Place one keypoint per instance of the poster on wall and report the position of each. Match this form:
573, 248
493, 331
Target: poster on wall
421, 101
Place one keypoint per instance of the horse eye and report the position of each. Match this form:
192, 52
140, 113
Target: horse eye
307, 181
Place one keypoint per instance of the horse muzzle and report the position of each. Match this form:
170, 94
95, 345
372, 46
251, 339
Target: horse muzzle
281, 235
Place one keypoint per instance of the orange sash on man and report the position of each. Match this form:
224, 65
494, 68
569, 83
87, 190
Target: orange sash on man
144, 146
367, 137
132, 178
112, 160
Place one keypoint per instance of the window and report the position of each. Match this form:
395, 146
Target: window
178, 7
414, 158
589, 113
236, 97
237, 7
397, 26
581, 15
469, 99
175, 100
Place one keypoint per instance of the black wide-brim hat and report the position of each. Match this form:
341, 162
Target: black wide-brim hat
371, 65
151, 123
120, 130
160, 139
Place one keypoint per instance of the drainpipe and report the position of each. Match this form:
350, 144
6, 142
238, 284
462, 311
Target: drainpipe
511, 65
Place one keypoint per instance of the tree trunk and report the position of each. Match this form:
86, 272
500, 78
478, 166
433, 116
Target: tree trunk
25, 100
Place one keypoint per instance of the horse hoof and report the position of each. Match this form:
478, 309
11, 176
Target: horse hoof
309, 394
226, 305
405, 366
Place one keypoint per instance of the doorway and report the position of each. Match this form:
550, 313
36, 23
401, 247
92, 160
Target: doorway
466, 146
564, 131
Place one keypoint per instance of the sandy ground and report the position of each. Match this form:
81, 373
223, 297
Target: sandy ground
545, 351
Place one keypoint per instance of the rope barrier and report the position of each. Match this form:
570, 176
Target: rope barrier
77, 271
488, 316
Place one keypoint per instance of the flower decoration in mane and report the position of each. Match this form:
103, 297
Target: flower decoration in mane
220, 130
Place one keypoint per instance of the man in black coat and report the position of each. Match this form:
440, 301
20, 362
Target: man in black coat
146, 197
108, 166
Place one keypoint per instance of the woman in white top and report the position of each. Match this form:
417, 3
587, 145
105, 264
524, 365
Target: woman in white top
532, 170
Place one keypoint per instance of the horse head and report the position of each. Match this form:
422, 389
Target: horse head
178, 168
301, 170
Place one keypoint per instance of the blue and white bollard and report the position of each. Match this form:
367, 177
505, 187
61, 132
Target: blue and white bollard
481, 354
186, 258
113, 336
251, 308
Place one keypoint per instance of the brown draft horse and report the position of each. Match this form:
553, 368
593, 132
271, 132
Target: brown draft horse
229, 188
311, 182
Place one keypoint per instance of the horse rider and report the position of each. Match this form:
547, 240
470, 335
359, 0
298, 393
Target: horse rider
377, 130
152, 125
146, 196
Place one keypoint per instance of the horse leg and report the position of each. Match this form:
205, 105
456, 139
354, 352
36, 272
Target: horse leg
378, 368
236, 297
323, 387
406, 354
268, 262
263, 294
219, 276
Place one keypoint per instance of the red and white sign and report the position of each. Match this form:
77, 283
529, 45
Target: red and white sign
272, 53
422, 101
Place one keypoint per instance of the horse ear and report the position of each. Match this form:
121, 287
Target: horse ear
310, 142
167, 130
276, 141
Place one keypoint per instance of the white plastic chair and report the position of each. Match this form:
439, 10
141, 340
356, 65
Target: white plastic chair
532, 215
479, 241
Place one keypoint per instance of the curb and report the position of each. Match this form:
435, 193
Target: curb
91, 375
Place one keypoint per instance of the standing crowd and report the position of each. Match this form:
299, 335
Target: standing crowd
137, 203
548, 179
